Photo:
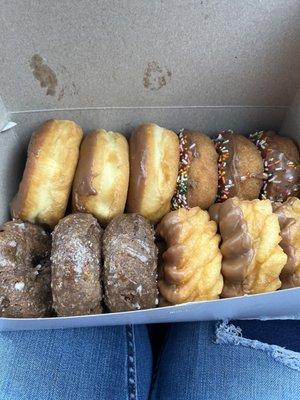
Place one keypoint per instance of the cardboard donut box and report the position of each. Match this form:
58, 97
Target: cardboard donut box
201, 65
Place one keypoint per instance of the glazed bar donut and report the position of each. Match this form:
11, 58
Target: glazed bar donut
197, 181
191, 267
154, 159
25, 279
252, 258
76, 265
47, 180
289, 220
101, 179
281, 163
240, 167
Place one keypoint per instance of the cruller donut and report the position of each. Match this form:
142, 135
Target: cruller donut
191, 263
252, 257
289, 220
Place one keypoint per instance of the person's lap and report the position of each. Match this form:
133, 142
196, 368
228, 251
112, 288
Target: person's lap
193, 366
116, 363
91, 363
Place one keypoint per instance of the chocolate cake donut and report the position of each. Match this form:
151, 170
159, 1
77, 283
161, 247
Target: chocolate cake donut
25, 290
240, 167
130, 264
76, 265
281, 165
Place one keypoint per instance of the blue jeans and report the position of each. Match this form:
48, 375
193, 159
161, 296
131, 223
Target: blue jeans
198, 360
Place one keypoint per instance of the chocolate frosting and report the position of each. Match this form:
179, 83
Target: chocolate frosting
138, 155
83, 182
287, 276
214, 211
228, 165
231, 183
282, 172
188, 273
236, 247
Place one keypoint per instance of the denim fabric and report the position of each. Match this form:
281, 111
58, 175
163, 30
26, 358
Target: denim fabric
197, 361
93, 363
193, 367
281, 333
231, 334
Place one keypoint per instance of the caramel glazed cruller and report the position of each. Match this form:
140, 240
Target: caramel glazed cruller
289, 220
252, 258
192, 261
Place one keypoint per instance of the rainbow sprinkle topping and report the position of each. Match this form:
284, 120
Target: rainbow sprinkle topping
179, 199
281, 178
225, 184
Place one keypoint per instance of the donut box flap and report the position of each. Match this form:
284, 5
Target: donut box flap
200, 65
278, 305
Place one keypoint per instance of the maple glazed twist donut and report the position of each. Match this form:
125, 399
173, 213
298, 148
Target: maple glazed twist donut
252, 258
289, 220
192, 261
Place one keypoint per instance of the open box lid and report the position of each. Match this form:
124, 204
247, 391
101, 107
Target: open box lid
204, 65
151, 54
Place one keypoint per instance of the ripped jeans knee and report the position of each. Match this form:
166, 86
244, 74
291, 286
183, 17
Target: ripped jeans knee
231, 334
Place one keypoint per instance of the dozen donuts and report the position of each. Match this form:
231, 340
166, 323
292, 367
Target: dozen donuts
105, 224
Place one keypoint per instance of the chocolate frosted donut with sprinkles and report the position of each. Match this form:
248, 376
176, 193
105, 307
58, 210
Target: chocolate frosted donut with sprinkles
240, 167
281, 165
197, 180
76, 265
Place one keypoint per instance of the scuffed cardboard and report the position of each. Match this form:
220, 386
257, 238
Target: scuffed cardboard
140, 53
